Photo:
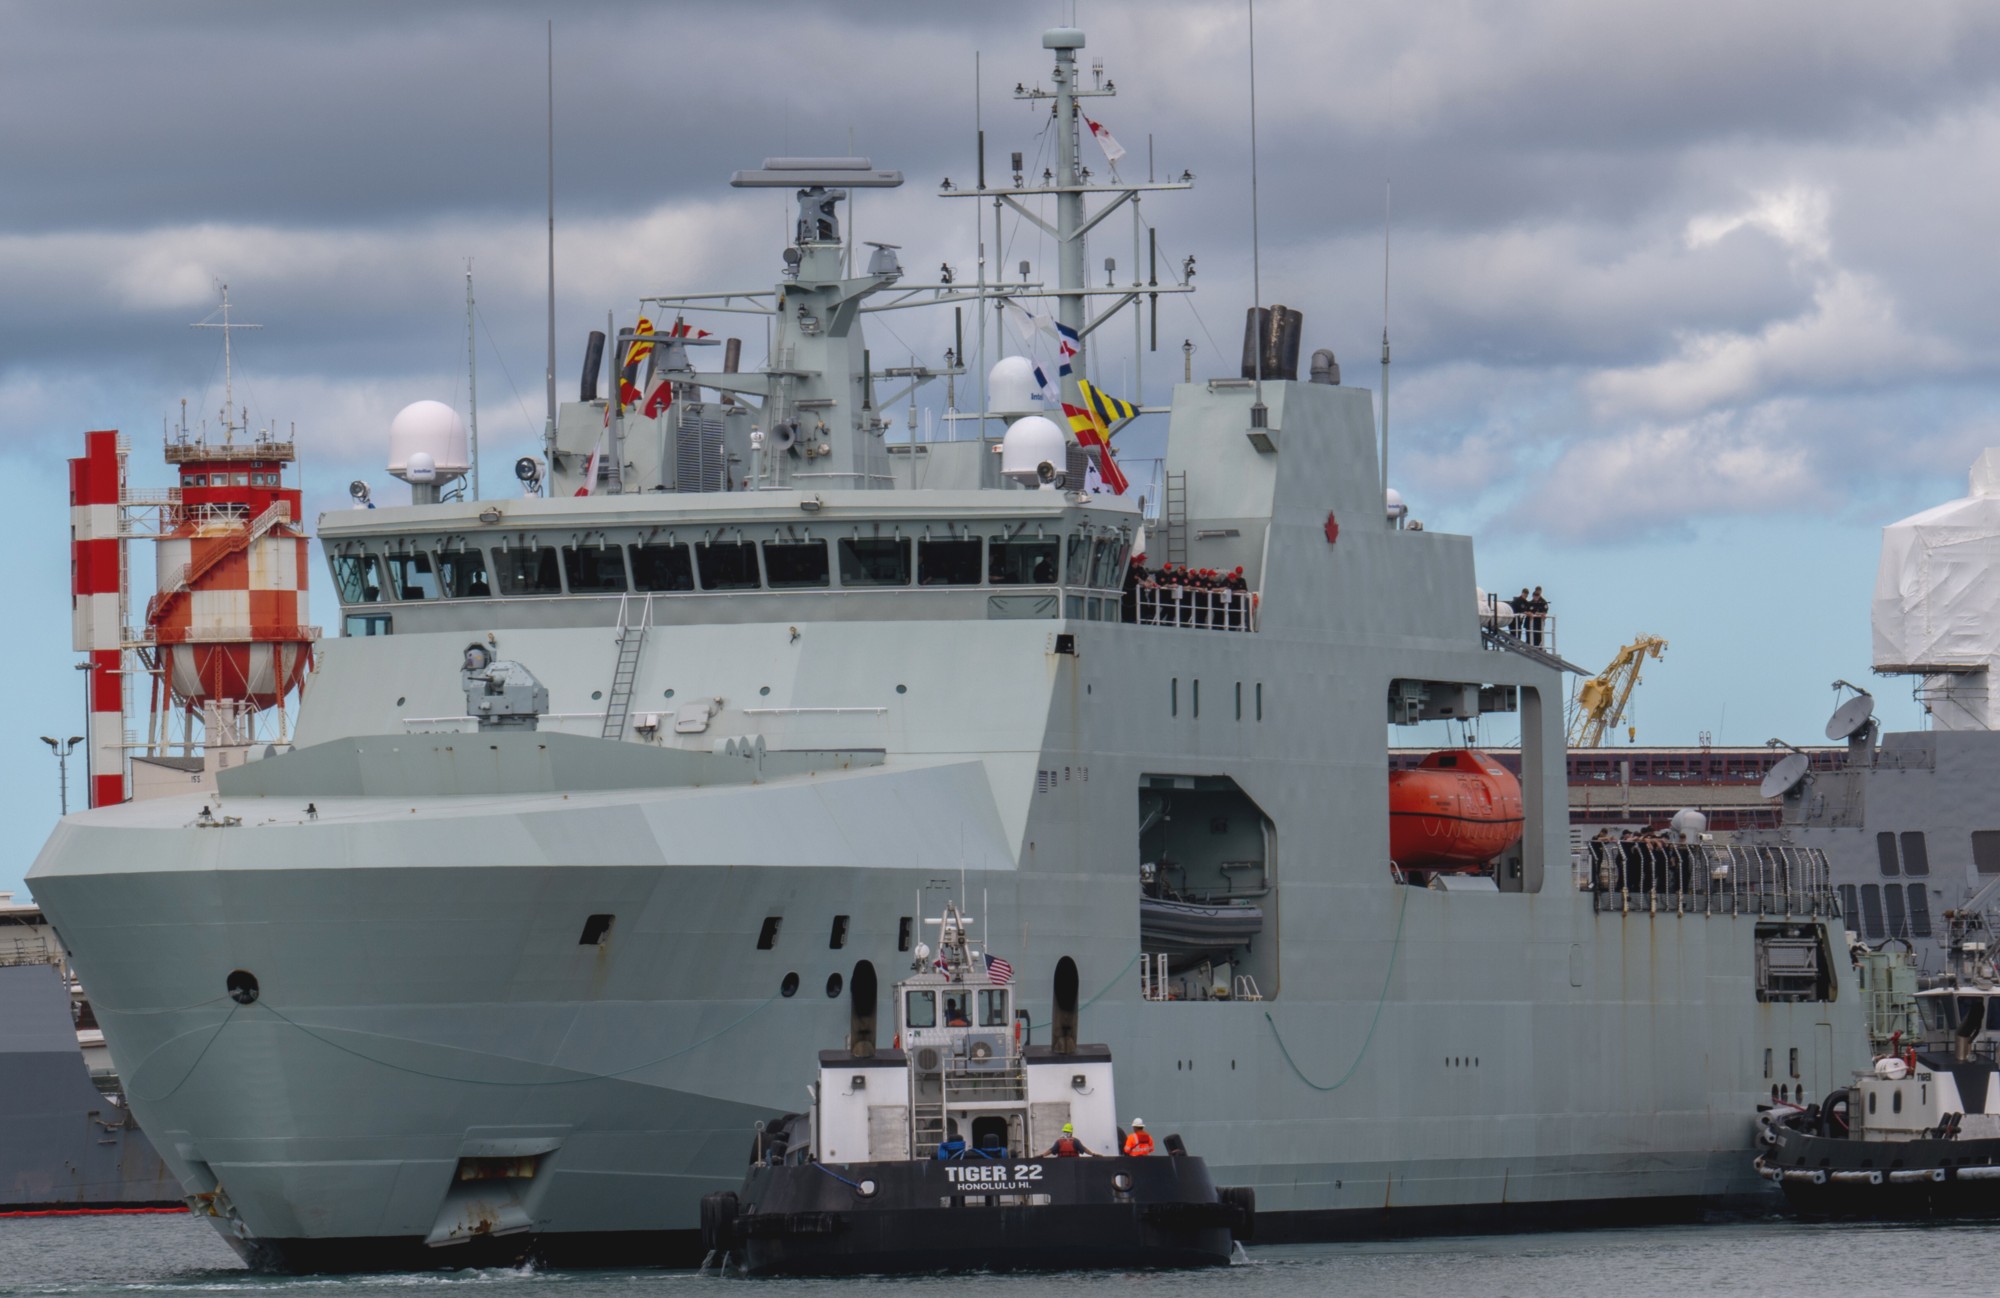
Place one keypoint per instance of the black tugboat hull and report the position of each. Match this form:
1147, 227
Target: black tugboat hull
1033, 1215
1877, 1180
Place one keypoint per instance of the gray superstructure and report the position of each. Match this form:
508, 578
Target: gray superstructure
1908, 820
605, 807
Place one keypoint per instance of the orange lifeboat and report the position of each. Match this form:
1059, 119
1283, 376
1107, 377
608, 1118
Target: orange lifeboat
1456, 811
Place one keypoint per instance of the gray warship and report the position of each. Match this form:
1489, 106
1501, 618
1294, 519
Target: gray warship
68, 1140
612, 802
1907, 819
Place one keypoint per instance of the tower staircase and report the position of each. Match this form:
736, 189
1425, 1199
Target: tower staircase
280, 512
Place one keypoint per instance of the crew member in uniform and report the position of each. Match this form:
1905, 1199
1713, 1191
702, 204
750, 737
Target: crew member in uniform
1138, 1144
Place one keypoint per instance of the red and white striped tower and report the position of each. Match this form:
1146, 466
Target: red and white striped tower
97, 604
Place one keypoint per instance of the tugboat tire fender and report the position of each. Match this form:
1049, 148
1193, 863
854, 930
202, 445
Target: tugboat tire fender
718, 1220
1242, 1199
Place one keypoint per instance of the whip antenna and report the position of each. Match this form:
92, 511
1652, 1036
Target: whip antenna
549, 429
1385, 338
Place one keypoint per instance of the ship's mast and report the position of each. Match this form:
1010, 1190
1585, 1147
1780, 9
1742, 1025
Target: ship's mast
1070, 308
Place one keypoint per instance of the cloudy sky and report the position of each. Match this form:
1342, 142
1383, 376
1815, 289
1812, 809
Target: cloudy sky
1688, 299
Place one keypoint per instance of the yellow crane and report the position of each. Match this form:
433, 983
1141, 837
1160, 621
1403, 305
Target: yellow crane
1599, 703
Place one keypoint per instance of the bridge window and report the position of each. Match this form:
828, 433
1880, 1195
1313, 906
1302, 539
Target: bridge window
594, 568
363, 624
874, 561
1916, 853
1078, 560
727, 565
795, 565
1920, 911
1871, 912
662, 567
462, 574
1108, 565
992, 1008
1022, 563
947, 563
413, 577
922, 1009
530, 570
358, 577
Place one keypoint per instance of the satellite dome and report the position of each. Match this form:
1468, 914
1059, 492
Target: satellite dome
1032, 442
1393, 500
1011, 387
433, 429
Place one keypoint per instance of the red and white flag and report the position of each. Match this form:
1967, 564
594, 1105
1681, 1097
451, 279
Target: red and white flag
1113, 150
662, 398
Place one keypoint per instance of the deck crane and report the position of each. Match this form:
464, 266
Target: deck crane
1599, 703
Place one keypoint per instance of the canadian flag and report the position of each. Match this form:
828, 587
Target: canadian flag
1113, 150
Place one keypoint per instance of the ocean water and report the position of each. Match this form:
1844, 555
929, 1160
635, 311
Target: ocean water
179, 1256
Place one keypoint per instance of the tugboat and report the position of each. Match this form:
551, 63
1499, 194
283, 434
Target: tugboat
1919, 1134
940, 1154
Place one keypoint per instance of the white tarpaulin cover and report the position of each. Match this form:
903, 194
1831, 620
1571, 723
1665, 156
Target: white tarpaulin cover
1937, 591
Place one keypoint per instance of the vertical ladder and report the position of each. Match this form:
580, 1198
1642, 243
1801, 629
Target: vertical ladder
631, 639
1175, 516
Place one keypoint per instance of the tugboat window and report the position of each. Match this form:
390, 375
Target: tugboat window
593, 568
833, 986
662, 567
462, 574
529, 571
874, 561
727, 565
992, 1008
947, 563
922, 1009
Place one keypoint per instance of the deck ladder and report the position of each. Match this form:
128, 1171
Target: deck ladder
631, 639
1175, 516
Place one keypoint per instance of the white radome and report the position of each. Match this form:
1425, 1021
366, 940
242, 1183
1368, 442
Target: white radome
1010, 387
429, 428
1031, 442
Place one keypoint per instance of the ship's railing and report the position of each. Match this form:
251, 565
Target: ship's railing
1193, 607
1707, 879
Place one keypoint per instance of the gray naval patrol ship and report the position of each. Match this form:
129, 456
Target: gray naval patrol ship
1908, 821
605, 806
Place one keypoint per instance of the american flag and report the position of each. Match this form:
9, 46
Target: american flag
999, 970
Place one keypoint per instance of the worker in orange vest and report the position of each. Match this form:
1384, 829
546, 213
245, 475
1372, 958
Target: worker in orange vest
1138, 1144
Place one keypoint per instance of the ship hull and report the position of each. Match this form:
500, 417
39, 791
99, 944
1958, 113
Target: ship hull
412, 1018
